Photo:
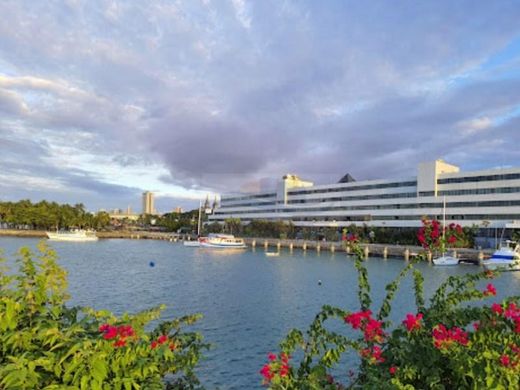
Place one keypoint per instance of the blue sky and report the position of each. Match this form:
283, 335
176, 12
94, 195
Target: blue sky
101, 100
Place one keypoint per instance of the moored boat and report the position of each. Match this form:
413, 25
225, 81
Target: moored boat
507, 257
222, 241
446, 260
72, 235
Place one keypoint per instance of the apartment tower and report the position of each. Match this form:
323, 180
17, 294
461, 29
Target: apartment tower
148, 206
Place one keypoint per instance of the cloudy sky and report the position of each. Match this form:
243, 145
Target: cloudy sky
101, 100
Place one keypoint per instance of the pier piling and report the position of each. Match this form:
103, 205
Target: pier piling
385, 253
366, 252
406, 254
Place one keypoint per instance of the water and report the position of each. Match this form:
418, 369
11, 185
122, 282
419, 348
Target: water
249, 301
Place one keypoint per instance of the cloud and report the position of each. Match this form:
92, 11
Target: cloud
217, 96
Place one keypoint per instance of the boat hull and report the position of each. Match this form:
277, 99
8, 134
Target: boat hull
445, 261
505, 259
222, 246
71, 237
194, 244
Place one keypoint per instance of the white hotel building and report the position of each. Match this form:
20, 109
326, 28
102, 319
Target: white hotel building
489, 199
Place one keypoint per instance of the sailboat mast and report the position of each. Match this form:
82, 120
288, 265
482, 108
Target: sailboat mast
443, 215
198, 224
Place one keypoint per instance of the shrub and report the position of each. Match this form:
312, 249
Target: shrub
446, 344
45, 344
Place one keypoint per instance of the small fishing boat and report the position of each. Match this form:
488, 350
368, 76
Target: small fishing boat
507, 257
72, 235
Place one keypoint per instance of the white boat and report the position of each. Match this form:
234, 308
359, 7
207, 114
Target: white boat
506, 257
222, 241
272, 254
445, 260
72, 235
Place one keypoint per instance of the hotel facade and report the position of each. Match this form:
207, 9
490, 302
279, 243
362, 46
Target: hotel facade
488, 199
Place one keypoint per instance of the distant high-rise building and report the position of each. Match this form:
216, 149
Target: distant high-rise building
178, 210
148, 207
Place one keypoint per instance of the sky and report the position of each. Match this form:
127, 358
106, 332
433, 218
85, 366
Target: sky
102, 100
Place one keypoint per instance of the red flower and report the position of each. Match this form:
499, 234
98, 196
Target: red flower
413, 322
162, 339
452, 239
496, 308
110, 333
154, 344
374, 355
490, 290
476, 326
512, 311
505, 361
172, 346
392, 370
271, 357
125, 330
373, 330
356, 319
443, 338
266, 373
103, 328
120, 343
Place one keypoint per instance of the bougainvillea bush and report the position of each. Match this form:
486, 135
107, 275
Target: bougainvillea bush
445, 344
437, 238
46, 345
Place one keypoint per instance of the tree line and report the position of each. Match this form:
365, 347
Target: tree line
50, 215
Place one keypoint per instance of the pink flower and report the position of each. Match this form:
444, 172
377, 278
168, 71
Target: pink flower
103, 328
490, 290
355, 319
476, 326
266, 373
374, 354
373, 330
496, 308
271, 357
110, 333
505, 361
413, 322
443, 338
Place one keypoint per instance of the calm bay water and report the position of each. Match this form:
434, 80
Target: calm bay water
249, 301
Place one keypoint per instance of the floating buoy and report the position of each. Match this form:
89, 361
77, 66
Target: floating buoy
152, 264
319, 282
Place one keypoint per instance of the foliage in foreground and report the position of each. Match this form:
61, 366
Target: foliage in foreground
446, 344
47, 345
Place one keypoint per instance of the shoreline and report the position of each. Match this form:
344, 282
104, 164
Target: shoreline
370, 249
